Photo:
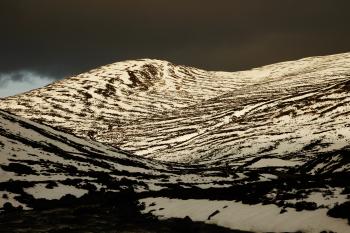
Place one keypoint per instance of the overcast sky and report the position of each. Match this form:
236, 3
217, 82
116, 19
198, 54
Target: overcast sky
43, 40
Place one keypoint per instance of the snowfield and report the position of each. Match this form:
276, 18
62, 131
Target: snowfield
256, 218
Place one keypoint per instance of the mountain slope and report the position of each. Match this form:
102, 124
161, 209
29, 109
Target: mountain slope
34, 156
39, 163
175, 113
117, 94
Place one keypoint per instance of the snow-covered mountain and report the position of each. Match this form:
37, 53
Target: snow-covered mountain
109, 97
271, 143
175, 113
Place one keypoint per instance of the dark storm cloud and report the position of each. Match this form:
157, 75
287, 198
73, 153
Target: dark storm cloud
13, 76
21, 76
59, 38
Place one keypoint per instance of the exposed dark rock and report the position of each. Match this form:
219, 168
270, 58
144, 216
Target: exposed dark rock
213, 214
304, 205
340, 211
18, 168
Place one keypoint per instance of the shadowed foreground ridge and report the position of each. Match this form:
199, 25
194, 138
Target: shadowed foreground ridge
262, 150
